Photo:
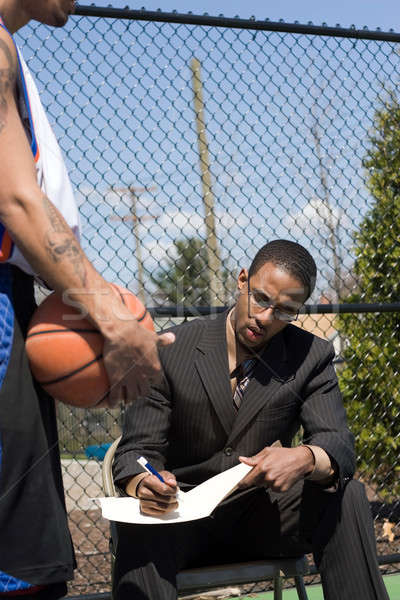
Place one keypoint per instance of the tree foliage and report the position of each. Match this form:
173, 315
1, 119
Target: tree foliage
185, 280
370, 380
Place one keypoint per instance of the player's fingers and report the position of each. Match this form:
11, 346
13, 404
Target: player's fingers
124, 392
112, 398
165, 339
147, 363
151, 372
133, 384
140, 384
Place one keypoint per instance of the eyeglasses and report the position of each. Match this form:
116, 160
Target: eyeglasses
259, 302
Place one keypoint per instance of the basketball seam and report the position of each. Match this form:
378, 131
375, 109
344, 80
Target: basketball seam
62, 331
142, 317
72, 373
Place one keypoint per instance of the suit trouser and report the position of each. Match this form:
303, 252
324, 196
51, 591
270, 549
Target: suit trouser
336, 526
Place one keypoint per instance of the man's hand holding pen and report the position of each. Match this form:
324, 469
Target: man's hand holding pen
158, 497
157, 492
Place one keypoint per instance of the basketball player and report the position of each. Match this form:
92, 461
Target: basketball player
39, 237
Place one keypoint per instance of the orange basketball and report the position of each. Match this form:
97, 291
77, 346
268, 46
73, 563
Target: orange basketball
65, 350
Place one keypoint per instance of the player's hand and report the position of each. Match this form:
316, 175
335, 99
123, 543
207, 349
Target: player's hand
277, 468
131, 360
157, 498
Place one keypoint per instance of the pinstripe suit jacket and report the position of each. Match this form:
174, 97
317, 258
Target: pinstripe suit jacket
188, 424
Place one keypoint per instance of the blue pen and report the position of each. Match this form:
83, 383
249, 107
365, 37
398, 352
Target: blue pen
143, 462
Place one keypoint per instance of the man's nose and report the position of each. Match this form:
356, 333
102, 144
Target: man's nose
266, 316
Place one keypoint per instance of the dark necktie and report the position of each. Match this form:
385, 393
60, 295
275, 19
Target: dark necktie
245, 371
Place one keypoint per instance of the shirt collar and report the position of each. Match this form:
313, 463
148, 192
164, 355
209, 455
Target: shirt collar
236, 355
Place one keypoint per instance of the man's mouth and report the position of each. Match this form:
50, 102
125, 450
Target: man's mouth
254, 333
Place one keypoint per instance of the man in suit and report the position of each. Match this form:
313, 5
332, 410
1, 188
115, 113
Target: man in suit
234, 384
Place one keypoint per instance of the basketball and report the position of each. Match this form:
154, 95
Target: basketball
65, 350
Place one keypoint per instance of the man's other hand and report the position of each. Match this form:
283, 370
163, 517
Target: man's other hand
277, 468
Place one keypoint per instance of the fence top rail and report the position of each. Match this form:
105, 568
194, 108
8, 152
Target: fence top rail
308, 309
236, 23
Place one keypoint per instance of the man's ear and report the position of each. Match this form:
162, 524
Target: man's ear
243, 278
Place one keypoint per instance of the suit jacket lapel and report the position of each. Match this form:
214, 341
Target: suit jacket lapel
212, 366
270, 373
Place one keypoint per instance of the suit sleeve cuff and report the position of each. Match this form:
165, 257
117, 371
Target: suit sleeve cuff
322, 471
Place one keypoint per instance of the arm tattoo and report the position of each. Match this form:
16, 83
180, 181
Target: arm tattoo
58, 224
7, 82
61, 243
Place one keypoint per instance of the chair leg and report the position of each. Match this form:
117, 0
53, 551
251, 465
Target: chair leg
300, 587
277, 587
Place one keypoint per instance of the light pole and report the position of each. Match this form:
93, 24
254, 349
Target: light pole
214, 261
134, 194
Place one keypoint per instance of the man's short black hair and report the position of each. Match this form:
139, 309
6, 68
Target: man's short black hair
290, 257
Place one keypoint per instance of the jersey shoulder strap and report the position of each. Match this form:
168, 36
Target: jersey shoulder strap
24, 109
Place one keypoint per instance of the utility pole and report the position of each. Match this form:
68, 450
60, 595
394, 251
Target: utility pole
134, 194
214, 261
332, 222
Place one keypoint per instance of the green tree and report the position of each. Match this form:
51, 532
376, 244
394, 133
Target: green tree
185, 280
370, 380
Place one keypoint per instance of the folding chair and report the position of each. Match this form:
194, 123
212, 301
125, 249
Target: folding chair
192, 581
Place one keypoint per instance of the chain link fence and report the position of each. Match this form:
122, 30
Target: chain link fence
191, 141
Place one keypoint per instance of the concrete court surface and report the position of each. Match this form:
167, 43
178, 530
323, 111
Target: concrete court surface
82, 481
314, 592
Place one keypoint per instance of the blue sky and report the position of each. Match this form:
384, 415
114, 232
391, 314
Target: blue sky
120, 98
371, 13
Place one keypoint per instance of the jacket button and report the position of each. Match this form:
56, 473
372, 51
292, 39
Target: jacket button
228, 451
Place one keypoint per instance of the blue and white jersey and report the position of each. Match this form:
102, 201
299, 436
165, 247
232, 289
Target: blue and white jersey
51, 171
53, 180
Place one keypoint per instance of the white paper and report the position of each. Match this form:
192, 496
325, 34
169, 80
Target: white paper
197, 504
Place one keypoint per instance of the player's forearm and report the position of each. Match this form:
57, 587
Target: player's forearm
50, 247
